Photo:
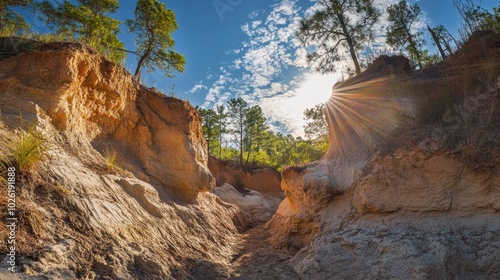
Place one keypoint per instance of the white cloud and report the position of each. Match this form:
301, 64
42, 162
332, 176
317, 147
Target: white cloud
253, 14
256, 23
197, 88
263, 68
237, 64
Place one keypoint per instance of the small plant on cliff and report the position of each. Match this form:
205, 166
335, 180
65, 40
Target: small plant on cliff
28, 148
4, 166
111, 161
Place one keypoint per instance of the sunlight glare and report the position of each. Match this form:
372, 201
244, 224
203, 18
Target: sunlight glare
314, 89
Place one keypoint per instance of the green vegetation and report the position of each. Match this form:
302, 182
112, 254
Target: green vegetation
236, 130
238, 115
153, 25
211, 127
28, 148
89, 22
442, 40
12, 22
315, 129
402, 18
345, 26
475, 18
338, 25
242, 133
111, 160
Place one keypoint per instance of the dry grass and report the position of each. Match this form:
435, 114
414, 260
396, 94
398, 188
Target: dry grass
430, 101
112, 164
459, 115
454, 106
111, 161
28, 148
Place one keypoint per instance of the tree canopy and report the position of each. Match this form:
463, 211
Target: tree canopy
237, 112
153, 24
401, 32
254, 143
338, 25
317, 128
10, 20
89, 21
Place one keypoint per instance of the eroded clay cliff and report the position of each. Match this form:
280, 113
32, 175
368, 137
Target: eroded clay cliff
262, 179
152, 217
421, 203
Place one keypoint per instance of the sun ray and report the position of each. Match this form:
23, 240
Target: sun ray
362, 115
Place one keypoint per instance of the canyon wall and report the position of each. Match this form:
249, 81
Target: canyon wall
150, 215
262, 179
395, 201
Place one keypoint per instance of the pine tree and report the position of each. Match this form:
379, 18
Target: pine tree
89, 22
401, 33
153, 24
237, 111
210, 127
316, 128
221, 123
255, 128
10, 20
336, 26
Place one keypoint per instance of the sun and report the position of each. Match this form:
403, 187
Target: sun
315, 89
312, 90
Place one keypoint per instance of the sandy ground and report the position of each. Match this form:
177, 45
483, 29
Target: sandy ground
258, 260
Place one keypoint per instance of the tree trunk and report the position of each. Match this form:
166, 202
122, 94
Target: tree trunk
248, 155
2, 12
140, 64
353, 55
414, 47
209, 133
220, 142
250, 140
241, 136
447, 45
436, 41
348, 38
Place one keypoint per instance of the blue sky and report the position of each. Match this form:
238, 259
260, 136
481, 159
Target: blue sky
247, 48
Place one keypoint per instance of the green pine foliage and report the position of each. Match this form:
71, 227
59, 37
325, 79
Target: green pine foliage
153, 25
242, 134
402, 19
338, 25
89, 22
11, 21
210, 128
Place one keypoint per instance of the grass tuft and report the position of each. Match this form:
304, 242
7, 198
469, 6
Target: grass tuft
29, 148
111, 160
